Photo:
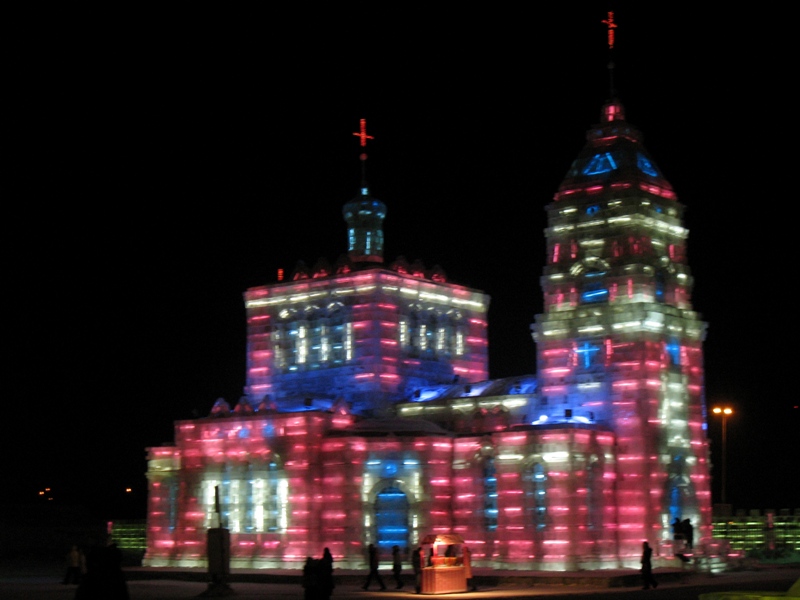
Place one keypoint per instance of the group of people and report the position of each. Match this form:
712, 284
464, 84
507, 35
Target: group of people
318, 577
318, 581
683, 536
418, 562
101, 576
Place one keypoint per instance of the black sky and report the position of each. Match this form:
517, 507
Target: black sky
163, 163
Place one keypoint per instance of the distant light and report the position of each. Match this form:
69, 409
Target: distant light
128, 490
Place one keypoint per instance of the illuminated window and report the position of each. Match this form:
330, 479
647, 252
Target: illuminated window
535, 482
274, 500
600, 163
391, 519
489, 494
586, 352
594, 494
645, 166
593, 288
660, 285
674, 351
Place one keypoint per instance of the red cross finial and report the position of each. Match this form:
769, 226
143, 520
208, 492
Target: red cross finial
363, 133
611, 27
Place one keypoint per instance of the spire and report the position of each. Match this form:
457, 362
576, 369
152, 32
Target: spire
363, 137
611, 27
364, 215
612, 110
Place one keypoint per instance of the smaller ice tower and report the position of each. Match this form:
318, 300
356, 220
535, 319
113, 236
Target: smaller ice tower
361, 331
364, 216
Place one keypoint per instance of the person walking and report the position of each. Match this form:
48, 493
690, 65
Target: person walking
418, 563
466, 557
397, 567
647, 567
374, 563
326, 575
688, 533
75, 563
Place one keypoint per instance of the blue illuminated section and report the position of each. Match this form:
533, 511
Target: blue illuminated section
674, 351
645, 166
661, 285
490, 495
600, 163
587, 352
389, 468
391, 519
596, 295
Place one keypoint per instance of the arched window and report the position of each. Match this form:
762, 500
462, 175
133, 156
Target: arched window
391, 519
535, 482
489, 494
594, 494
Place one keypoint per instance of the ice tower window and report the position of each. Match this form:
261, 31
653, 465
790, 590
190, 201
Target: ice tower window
599, 164
645, 166
489, 494
535, 479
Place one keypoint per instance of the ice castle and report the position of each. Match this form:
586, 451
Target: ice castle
368, 415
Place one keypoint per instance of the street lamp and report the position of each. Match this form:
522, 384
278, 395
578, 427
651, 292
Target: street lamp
725, 412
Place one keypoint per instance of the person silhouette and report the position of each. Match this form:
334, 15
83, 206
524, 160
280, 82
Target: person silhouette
397, 567
466, 557
374, 563
326, 576
418, 563
688, 533
648, 579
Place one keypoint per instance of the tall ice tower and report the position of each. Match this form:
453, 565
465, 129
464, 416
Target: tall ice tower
618, 342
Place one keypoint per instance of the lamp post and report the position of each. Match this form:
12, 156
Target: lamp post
724, 412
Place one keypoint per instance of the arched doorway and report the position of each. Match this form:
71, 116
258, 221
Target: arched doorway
391, 520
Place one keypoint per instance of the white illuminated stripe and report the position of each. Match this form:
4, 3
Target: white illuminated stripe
556, 332
555, 456
589, 386
590, 329
627, 325
510, 457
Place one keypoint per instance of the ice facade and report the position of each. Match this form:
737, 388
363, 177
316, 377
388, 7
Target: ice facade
368, 415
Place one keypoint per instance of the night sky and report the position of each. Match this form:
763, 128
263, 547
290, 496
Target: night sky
164, 163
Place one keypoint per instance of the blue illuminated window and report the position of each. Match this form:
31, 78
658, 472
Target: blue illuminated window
589, 296
489, 494
674, 351
661, 283
535, 479
600, 163
391, 519
587, 352
645, 166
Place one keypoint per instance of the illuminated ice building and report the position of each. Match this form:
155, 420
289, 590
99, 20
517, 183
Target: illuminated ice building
368, 415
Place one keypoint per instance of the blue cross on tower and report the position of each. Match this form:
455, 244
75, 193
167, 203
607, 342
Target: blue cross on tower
587, 350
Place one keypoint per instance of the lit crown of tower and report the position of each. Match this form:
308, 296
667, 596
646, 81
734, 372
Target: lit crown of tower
364, 216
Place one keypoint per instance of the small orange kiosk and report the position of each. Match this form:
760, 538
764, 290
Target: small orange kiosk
443, 572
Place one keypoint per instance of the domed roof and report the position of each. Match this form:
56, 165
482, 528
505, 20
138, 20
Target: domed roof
613, 157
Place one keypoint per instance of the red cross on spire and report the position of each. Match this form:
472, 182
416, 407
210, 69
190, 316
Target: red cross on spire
363, 133
611, 27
